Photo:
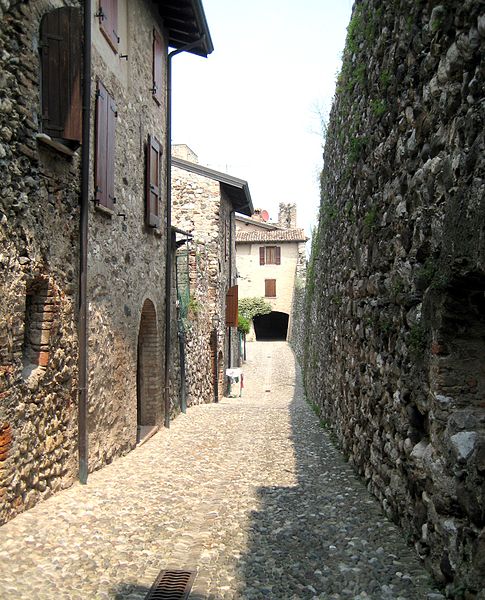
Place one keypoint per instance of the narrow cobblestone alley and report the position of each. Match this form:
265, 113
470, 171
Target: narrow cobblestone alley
250, 491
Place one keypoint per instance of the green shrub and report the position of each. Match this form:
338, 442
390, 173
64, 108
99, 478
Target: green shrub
252, 307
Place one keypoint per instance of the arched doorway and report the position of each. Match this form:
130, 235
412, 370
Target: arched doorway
148, 373
273, 326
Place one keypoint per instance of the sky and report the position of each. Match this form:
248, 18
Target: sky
252, 108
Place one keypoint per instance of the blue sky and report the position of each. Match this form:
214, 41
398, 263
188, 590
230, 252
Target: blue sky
251, 107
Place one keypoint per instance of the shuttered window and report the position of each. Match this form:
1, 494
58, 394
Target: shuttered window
231, 306
153, 179
270, 288
105, 147
108, 21
158, 55
60, 46
270, 255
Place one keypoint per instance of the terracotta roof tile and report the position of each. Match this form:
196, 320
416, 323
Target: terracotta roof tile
277, 235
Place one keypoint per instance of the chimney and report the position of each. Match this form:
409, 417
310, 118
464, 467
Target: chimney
287, 216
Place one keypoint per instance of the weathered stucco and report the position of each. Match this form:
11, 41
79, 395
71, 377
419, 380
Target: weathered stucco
395, 296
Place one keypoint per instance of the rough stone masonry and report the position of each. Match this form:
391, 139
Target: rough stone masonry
395, 339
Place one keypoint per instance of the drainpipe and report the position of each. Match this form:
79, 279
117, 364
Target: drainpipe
229, 354
83, 253
168, 250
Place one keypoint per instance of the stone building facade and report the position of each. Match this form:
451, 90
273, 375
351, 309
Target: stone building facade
41, 195
271, 263
395, 287
204, 203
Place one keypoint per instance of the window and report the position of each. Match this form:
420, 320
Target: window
60, 44
153, 172
108, 22
232, 306
270, 288
270, 255
158, 55
105, 145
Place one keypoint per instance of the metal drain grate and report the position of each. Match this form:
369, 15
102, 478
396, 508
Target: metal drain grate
172, 585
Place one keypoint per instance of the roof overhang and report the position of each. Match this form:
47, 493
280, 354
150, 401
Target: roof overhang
185, 23
262, 224
237, 190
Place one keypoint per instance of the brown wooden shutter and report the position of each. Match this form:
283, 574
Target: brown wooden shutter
158, 55
110, 158
60, 43
231, 306
108, 22
278, 255
153, 172
105, 150
261, 255
270, 288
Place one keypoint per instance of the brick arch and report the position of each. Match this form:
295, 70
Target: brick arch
149, 369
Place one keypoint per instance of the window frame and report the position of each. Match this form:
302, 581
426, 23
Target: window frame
270, 255
269, 285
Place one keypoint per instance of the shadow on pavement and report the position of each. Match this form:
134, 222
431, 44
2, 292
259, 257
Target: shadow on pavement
325, 537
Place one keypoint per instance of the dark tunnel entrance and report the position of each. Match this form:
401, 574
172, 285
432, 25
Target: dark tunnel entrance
271, 327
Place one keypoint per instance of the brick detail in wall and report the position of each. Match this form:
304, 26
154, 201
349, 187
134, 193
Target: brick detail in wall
39, 314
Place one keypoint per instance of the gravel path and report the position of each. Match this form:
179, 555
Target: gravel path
250, 491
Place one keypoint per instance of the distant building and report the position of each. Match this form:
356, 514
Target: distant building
270, 259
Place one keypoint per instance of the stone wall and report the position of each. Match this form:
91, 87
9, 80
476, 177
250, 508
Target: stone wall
126, 261
395, 294
198, 328
39, 195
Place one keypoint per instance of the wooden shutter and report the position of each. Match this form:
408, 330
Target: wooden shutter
270, 288
153, 176
105, 150
261, 255
231, 306
108, 22
278, 255
110, 158
158, 55
60, 43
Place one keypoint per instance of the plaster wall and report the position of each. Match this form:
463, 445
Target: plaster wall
252, 275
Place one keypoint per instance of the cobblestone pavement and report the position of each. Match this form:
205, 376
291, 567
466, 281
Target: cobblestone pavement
250, 491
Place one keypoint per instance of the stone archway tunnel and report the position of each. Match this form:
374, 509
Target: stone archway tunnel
273, 326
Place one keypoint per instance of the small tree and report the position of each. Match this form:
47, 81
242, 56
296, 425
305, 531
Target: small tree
253, 307
243, 324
